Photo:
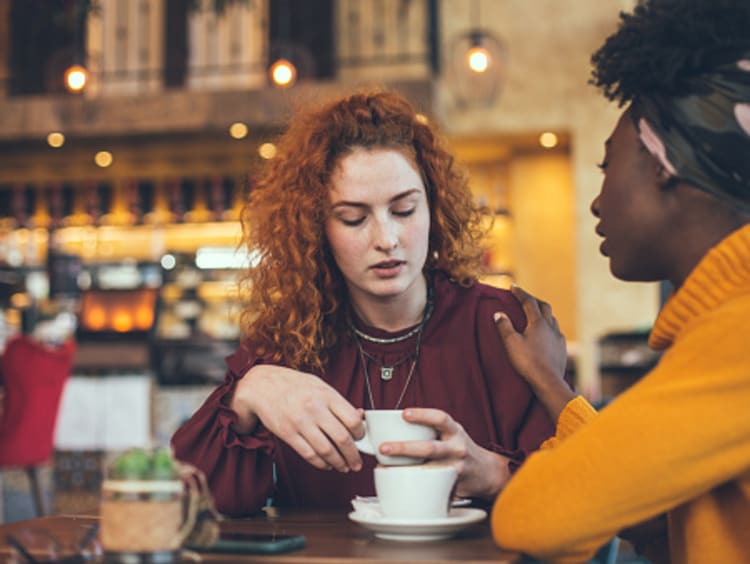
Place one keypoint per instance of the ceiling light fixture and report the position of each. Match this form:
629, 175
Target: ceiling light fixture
477, 64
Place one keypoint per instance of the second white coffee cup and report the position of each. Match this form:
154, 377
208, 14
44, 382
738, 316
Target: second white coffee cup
388, 425
415, 492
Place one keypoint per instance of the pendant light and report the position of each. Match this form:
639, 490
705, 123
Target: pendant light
477, 65
282, 72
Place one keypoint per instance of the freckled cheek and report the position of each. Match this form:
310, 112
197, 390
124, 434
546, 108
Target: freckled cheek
347, 246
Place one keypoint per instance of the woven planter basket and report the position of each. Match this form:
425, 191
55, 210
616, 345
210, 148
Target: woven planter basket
142, 516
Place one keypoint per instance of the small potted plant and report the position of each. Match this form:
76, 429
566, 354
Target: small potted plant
149, 503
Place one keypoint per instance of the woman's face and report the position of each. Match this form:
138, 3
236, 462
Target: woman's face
379, 223
635, 212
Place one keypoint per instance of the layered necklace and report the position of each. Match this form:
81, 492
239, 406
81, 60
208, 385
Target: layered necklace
386, 370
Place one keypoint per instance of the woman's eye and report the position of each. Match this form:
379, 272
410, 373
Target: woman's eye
404, 213
352, 222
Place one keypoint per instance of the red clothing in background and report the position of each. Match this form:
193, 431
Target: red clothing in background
463, 369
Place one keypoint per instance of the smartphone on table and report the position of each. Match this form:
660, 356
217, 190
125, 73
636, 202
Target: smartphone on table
237, 542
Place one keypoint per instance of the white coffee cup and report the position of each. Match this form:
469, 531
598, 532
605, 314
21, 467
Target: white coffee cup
388, 425
415, 492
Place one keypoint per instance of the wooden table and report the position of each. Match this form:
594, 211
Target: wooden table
330, 538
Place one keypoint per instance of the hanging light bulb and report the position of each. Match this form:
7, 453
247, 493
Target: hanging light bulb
76, 77
477, 64
283, 73
477, 68
478, 59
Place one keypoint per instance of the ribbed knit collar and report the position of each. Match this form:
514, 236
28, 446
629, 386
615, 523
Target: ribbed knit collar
723, 272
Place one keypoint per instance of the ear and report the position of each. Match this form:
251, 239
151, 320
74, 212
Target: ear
664, 178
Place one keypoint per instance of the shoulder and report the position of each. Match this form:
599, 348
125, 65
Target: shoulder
482, 300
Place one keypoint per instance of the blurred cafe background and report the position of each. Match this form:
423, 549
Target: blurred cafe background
132, 130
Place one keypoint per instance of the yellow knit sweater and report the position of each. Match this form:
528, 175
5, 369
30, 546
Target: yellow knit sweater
678, 441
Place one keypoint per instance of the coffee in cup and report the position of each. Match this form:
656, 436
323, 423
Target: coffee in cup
388, 425
415, 492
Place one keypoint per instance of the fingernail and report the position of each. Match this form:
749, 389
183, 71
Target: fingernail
385, 449
408, 413
498, 316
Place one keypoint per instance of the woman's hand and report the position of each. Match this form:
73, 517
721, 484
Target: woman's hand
303, 411
539, 353
480, 472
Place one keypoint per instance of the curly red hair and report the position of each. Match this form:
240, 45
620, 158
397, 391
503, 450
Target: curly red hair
294, 306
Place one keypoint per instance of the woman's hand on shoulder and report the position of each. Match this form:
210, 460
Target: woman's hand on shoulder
303, 411
539, 353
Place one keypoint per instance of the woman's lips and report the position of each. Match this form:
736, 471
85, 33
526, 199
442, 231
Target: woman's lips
388, 268
601, 234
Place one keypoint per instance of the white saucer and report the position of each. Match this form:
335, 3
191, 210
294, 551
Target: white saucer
420, 529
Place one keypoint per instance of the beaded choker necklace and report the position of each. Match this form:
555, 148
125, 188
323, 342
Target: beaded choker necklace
426, 314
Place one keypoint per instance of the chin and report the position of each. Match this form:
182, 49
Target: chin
631, 274
387, 288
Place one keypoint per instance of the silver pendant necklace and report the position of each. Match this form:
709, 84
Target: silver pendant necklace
363, 356
386, 371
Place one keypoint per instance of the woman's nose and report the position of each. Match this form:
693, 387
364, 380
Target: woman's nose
595, 207
386, 235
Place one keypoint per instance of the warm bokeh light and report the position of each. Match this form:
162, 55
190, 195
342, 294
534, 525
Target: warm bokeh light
20, 300
267, 150
238, 130
121, 321
76, 78
144, 318
103, 159
421, 118
548, 140
283, 73
55, 139
96, 318
478, 59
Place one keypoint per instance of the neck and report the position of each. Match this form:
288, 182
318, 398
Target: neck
704, 232
394, 313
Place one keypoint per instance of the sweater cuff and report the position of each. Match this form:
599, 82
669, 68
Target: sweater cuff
575, 415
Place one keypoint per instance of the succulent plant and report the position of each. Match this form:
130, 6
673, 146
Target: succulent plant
140, 464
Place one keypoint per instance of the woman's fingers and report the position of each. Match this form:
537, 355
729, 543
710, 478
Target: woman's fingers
528, 302
436, 418
546, 311
302, 446
339, 431
310, 416
440, 448
534, 308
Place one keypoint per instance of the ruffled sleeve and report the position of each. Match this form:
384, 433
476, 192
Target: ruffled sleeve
238, 468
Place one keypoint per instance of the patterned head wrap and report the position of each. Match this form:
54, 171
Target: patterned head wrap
704, 138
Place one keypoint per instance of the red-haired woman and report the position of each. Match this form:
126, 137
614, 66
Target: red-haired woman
365, 297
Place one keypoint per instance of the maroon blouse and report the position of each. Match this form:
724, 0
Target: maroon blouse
463, 369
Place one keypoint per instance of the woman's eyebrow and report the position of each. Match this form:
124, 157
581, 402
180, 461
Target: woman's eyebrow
354, 204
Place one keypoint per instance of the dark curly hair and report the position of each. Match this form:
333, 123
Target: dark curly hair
293, 309
664, 42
